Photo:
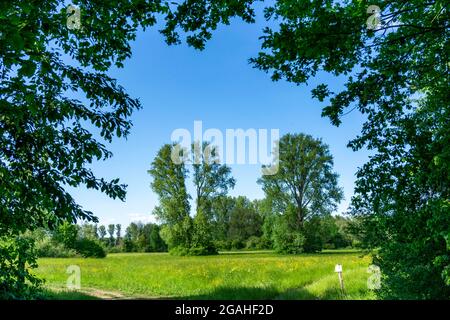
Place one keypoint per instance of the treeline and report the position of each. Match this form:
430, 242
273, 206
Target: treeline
239, 223
91, 240
140, 237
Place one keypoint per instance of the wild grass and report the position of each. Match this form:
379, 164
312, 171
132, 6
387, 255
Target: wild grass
233, 275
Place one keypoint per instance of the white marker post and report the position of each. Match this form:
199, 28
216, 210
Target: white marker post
338, 270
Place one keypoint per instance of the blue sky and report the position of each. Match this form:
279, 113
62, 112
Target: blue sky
178, 85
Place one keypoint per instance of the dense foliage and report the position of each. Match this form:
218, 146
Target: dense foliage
304, 188
88, 240
67, 240
141, 237
211, 180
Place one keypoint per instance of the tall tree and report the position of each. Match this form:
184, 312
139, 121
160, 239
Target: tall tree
305, 178
141, 237
118, 234
111, 228
211, 178
102, 232
88, 231
169, 183
305, 187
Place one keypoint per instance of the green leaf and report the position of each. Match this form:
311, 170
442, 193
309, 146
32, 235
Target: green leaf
28, 68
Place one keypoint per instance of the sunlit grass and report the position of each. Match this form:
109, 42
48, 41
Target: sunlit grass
239, 275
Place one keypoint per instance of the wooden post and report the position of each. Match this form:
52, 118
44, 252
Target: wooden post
338, 269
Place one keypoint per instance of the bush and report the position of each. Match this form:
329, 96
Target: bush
237, 244
17, 257
116, 249
194, 251
46, 248
329, 246
285, 240
356, 244
90, 248
256, 243
179, 251
289, 243
203, 251
223, 244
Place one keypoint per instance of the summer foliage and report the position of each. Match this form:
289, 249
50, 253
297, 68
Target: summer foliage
396, 74
186, 235
303, 189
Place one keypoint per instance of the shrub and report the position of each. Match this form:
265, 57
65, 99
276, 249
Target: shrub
329, 246
17, 256
90, 248
203, 251
256, 243
116, 249
237, 244
179, 251
223, 244
356, 244
285, 240
289, 243
46, 248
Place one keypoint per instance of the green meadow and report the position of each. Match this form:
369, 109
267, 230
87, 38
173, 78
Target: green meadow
231, 275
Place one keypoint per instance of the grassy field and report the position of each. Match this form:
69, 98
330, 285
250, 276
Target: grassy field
239, 275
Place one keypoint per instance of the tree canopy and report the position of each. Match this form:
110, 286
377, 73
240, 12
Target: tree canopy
211, 180
305, 179
304, 189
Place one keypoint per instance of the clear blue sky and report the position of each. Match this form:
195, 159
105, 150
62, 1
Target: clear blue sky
178, 85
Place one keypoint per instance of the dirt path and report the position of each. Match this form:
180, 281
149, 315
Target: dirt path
94, 293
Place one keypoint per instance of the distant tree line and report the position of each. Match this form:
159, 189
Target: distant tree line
140, 237
91, 240
68, 240
237, 224
240, 223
